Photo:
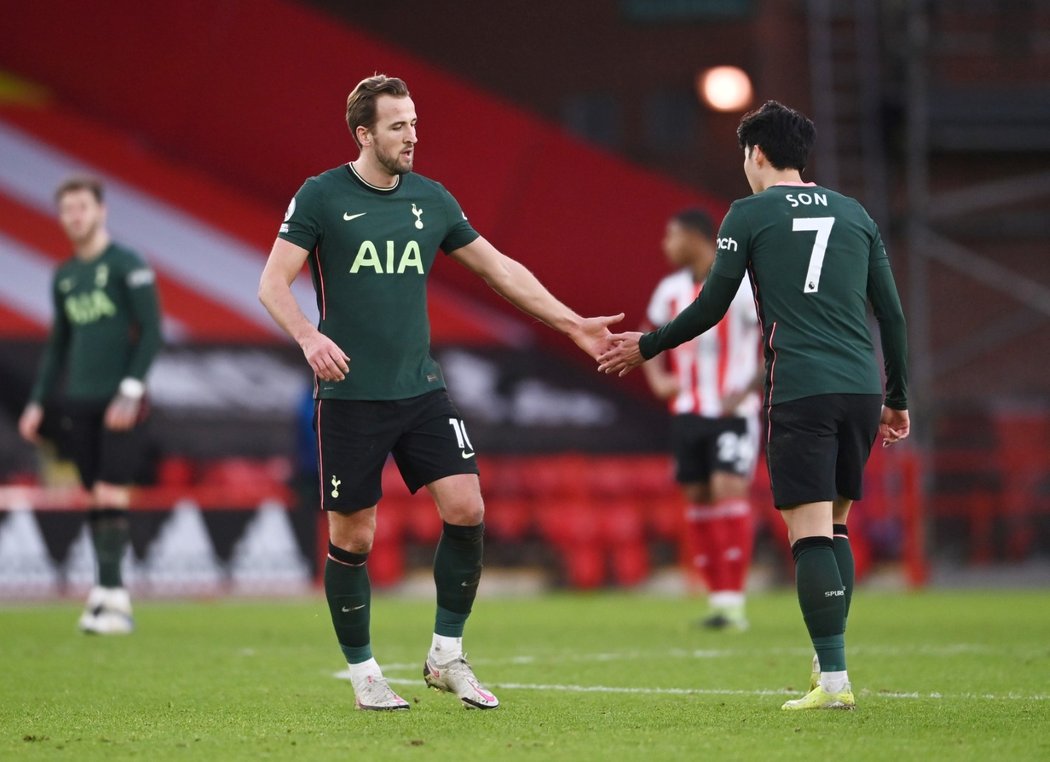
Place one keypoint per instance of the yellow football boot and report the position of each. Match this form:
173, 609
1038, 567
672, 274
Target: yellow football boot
818, 698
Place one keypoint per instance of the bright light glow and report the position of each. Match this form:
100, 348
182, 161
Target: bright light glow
725, 88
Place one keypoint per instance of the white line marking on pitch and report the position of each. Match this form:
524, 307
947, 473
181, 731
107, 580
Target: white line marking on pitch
345, 675
948, 649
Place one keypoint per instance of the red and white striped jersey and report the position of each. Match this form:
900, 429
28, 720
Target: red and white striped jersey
716, 363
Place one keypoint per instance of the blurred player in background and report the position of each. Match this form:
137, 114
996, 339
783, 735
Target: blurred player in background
370, 231
815, 259
711, 389
106, 332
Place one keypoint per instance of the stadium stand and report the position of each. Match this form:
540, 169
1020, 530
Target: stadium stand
202, 147
206, 241
254, 105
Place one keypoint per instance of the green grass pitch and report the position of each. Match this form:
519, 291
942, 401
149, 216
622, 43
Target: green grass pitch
613, 676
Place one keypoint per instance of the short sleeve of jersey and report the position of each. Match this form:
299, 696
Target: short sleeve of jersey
734, 243
460, 232
302, 224
659, 311
138, 274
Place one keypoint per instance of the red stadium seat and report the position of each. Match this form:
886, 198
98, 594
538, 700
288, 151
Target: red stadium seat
621, 521
630, 565
624, 534
508, 519
386, 562
422, 521
585, 567
665, 516
175, 471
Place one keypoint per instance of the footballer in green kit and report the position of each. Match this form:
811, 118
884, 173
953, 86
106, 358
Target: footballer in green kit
374, 249
370, 231
815, 260
105, 333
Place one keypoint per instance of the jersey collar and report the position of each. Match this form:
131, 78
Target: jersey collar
354, 174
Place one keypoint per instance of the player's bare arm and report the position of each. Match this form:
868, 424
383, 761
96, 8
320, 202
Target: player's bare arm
515, 283
285, 262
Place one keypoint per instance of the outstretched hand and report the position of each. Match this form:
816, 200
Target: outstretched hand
622, 355
593, 335
894, 426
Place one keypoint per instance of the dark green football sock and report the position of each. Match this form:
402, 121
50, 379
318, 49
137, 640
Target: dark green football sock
844, 557
822, 599
110, 535
349, 593
457, 572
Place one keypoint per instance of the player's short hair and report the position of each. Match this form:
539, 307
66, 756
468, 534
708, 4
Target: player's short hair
785, 135
695, 219
79, 183
361, 103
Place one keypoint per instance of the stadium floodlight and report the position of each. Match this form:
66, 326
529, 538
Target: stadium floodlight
725, 88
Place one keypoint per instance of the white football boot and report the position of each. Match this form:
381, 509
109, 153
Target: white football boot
374, 693
457, 677
107, 612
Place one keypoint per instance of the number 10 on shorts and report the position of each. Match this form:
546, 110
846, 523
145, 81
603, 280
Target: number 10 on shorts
460, 427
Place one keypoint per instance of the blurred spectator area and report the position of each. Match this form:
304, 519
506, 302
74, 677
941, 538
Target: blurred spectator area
585, 521
579, 520
935, 115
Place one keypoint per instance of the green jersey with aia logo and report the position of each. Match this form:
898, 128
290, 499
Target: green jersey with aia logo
106, 326
815, 259
371, 250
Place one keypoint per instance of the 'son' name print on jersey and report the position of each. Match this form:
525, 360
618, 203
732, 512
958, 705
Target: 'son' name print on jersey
806, 199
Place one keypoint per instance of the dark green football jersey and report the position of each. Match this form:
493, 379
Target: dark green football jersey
815, 259
371, 250
106, 326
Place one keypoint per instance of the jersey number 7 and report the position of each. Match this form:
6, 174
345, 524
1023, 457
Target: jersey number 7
822, 226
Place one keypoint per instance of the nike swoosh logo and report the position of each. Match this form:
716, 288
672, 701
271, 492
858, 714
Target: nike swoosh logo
481, 691
355, 608
349, 217
466, 455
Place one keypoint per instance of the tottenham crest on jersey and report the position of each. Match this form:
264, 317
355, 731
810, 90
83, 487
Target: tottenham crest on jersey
419, 216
